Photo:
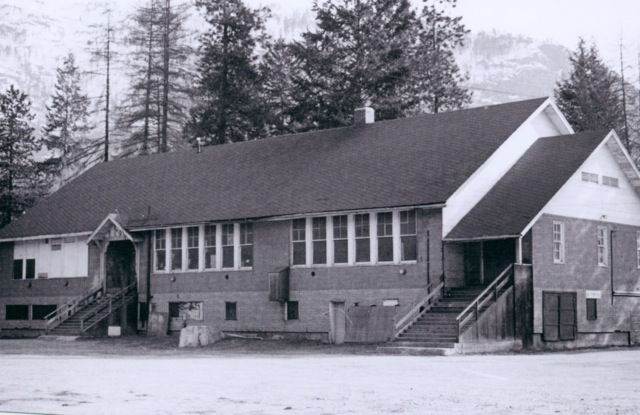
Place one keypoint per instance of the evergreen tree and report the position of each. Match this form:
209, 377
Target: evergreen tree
21, 177
437, 80
229, 79
67, 125
155, 109
590, 97
360, 53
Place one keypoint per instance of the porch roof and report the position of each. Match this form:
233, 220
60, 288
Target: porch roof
406, 162
522, 193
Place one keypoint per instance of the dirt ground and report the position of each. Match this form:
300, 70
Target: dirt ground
153, 376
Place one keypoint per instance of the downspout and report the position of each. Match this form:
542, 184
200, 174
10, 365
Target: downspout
611, 262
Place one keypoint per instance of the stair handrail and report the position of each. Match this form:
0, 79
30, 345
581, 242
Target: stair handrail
67, 310
415, 312
473, 309
122, 294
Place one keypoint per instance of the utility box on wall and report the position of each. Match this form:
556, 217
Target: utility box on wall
279, 284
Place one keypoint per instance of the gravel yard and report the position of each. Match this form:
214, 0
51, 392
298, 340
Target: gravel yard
146, 376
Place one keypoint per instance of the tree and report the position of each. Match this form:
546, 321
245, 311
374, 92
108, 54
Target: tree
590, 97
228, 83
155, 110
437, 80
359, 54
21, 177
67, 125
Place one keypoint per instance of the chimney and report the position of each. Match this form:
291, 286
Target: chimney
364, 116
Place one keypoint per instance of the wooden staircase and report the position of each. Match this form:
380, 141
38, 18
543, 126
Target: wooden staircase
97, 306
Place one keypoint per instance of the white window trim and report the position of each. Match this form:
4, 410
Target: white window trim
604, 246
201, 250
560, 260
351, 241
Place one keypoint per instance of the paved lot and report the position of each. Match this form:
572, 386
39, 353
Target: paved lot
140, 376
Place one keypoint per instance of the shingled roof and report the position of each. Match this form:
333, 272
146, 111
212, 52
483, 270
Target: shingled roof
405, 162
523, 192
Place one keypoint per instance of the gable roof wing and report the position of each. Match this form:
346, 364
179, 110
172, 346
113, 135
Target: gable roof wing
522, 193
405, 162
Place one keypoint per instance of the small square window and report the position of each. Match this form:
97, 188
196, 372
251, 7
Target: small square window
230, 311
592, 309
292, 310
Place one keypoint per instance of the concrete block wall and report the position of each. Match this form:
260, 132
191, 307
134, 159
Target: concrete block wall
581, 273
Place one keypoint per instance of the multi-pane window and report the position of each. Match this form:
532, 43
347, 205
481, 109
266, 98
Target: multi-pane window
319, 235
363, 253
341, 240
227, 245
610, 181
558, 242
246, 244
24, 269
589, 177
176, 248
602, 244
161, 249
209, 246
204, 247
408, 236
385, 237
193, 247
298, 238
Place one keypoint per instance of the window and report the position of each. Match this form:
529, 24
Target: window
230, 311
592, 309
638, 247
246, 244
209, 246
176, 248
385, 237
408, 236
319, 235
559, 316
298, 238
603, 248
30, 269
227, 246
341, 240
17, 269
17, 312
161, 250
191, 310
363, 253
610, 181
292, 310
558, 242
24, 269
39, 312
193, 243
589, 177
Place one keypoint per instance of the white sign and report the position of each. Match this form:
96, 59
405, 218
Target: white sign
594, 294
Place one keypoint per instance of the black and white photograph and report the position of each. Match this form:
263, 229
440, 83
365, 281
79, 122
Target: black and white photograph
322, 207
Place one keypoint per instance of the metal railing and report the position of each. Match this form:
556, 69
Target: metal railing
488, 294
116, 301
55, 318
418, 308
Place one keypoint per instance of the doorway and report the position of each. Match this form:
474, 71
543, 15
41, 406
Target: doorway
120, 265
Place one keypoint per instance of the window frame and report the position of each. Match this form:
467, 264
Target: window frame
230, 306
602, 246
558, 242
292, 310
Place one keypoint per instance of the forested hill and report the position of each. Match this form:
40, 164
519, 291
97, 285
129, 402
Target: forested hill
35, 35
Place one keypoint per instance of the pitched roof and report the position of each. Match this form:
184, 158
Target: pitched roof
404, 162
523, 192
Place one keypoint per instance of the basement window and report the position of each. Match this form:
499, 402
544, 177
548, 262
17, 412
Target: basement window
187, 310
16, 312
40, 311
230, 311
291, 310
592, 309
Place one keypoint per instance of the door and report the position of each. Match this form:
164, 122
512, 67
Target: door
473, 268
338, 322
559, 316
120, 265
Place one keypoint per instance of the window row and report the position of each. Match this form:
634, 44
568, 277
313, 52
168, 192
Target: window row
28, 312
193, 310
204, 247
365, 238
602, 244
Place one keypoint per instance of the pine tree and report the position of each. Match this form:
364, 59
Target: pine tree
437, 80
155, 110
21, 177
67, 126
590, 97
229, 79
360, 53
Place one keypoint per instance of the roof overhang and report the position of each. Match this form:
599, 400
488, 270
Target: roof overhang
481, 238
50, 236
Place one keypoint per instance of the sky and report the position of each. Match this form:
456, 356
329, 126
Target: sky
605, 23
